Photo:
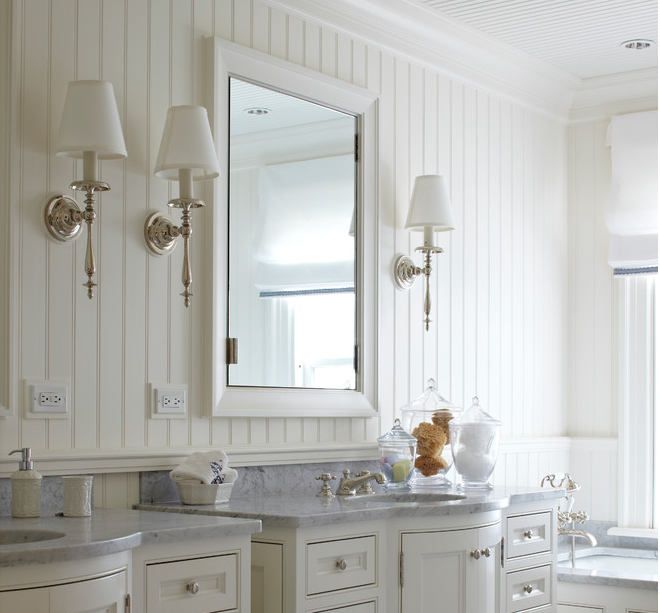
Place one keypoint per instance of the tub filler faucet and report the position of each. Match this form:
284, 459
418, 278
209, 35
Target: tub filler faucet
566, 519
348, 484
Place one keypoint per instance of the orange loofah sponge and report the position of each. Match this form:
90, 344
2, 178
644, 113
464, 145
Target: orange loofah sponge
430, 439
430, 465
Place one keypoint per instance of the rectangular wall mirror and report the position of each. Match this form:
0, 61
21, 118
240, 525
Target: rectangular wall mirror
293, 167
293, 237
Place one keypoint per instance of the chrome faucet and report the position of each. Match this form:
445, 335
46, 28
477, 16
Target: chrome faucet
579, 534
569, 517
348, 484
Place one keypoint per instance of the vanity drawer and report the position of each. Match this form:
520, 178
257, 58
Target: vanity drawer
528, 534
200, 585
528, 588
341, 564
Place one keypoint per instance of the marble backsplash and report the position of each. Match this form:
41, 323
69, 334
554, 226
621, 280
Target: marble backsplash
156, 486
51, 499
257, 480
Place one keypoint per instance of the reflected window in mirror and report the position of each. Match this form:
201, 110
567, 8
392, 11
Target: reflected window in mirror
292, 247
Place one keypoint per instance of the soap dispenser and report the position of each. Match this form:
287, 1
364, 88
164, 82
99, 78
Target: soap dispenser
25, 486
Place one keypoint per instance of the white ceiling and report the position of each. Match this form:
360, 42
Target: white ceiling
580, 37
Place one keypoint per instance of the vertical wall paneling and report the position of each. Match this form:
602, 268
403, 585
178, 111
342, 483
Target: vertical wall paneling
138, 169
443, 142
497, 308
111, 247
61, 320
159, 290
6, 22
493, 323
33, 177
481, 285
470, 241
457, 245
592, 332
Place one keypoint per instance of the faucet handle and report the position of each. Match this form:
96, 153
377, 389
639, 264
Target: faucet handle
325, 492
581, 516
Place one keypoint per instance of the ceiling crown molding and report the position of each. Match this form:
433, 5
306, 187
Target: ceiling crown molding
427, 37
625, 92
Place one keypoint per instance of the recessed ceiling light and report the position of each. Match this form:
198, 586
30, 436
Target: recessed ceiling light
257, 111
638, 43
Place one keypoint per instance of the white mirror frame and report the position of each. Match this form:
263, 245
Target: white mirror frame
225, 59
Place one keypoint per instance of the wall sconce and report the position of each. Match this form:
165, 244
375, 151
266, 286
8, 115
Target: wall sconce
91, 130
186, 154
430, 210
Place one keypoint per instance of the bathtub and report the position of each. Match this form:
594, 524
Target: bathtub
607, 579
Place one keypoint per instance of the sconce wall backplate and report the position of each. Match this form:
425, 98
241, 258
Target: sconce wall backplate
405, 272
160, 233
64, 218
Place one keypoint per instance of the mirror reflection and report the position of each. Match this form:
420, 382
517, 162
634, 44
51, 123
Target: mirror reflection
292, 198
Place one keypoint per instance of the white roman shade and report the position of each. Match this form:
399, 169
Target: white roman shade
632, 216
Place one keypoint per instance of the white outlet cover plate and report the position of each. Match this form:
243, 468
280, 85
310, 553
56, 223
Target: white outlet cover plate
158, 408
32, 392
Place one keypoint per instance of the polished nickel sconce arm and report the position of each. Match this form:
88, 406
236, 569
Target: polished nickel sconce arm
161, 235
405, 273
64, 221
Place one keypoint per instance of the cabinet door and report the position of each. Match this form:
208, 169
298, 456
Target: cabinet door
104, 595
440, 572
27, 601
267, 577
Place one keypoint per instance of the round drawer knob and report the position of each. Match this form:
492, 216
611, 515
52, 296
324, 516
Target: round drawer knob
486, 552
193, 587
341, 564
528, 589
476, 554
527, 534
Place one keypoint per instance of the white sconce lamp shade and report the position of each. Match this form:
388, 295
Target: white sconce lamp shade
430, 205
90, 122
187, 144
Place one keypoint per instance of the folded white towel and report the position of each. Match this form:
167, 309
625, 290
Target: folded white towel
205, 467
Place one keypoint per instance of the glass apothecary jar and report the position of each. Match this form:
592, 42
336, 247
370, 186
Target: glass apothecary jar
427, 418
475, 440
397, 454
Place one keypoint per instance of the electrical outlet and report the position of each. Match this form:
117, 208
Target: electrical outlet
46, 400
169, 401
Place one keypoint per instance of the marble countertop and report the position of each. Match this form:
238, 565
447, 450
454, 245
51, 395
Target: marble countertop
109, 531
306, 509
623, 571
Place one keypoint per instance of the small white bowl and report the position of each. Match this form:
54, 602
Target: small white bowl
203, 493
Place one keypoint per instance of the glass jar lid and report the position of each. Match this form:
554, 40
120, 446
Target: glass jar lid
397, 436
475, 416
431, 401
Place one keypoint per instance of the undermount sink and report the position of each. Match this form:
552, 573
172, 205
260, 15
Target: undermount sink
17, 537
394, 497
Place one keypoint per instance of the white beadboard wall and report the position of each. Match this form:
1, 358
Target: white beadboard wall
500, 297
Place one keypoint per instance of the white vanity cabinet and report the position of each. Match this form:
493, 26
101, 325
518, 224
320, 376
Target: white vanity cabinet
409, 565
455, 571
202, 576
98, 585
529, 558
323, 568
449, 563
